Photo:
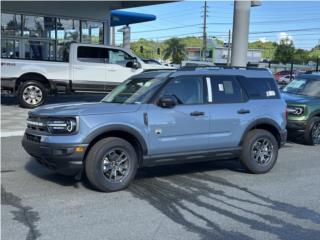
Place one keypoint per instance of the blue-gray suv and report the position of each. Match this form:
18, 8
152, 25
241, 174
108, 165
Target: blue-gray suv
163, 117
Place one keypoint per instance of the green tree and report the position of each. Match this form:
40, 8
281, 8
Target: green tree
149, 48
175, 50
315, 53
301, 56
268, 48
284, 51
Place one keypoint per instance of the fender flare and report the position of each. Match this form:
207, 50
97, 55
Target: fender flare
260, 121
118, 127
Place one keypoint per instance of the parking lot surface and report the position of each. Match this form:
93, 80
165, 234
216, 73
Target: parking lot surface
216, 200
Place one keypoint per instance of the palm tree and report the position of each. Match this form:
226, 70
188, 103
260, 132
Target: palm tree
174, 49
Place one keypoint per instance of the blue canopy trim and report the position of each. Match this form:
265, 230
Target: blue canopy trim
119, 18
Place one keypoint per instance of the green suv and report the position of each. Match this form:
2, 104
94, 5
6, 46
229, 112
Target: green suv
303, 98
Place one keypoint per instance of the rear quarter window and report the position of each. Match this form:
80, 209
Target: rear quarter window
260, 88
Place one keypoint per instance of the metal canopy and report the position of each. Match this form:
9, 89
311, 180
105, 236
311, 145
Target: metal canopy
95, 10
119, 18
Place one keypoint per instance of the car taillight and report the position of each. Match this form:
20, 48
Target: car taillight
287, 113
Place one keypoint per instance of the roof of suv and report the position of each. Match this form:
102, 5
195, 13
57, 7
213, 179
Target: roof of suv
246, 72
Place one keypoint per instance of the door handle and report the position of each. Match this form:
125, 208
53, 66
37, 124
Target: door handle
243, 111
112, 70
196, 113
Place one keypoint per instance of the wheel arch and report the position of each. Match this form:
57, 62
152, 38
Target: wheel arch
265, 124
314, 114
121, 131
33, 76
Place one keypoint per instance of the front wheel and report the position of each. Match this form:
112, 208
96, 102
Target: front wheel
111, 164
259, 151
32, 94
312, 132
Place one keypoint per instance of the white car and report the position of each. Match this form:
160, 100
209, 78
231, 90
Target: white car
88, 68
286, 79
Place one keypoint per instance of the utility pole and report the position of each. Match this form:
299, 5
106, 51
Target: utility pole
240, 32
204, 36
229, 39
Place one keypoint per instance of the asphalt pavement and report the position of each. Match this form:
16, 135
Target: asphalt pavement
216, 200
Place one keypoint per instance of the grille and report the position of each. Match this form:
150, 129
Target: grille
33, 138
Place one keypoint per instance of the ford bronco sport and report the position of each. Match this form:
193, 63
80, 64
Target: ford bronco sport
162, 117
303, 99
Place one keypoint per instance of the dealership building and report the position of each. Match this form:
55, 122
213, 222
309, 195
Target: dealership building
44, 30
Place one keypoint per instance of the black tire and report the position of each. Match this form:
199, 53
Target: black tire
310, 131
38, 89
94, 164
249, 152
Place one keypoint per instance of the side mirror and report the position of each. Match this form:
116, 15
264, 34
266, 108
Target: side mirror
167, 102
132, 64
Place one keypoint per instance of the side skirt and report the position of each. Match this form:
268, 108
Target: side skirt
191, 157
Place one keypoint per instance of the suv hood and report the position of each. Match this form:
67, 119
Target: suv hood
295, 98
84, 108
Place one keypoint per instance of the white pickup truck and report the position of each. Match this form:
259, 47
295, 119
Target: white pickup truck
87, 68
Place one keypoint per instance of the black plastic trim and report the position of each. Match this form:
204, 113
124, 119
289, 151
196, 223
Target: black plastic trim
117, 127
267, 121
191, 156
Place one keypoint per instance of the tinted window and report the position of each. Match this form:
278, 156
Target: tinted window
260, 88
225, 89
92, 54
187, 90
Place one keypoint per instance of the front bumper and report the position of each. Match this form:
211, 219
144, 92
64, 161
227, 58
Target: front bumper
296, 125
283, 137
61, 158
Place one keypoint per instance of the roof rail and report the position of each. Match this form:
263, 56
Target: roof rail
210, 67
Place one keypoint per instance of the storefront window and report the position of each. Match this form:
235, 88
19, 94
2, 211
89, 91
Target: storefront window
39, 27
92, 32
39, 50
10, 24
68, 31
9, 48
45, 38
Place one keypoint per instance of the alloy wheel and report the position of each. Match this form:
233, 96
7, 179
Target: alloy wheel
115, 165
315, 133
262, 151
32, 95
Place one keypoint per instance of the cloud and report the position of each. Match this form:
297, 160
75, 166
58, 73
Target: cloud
285, 36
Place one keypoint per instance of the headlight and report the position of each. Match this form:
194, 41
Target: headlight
62, 126
295, 110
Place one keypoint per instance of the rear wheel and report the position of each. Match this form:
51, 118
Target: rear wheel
32, 94
111, 164
259, 151
312, 132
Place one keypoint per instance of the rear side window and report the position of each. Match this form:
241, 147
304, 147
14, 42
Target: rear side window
260, 88
92, 54
226, 89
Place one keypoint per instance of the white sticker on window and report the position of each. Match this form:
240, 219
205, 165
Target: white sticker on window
271, 93
221, 88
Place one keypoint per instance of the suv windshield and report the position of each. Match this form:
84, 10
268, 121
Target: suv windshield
133, 90
306, 87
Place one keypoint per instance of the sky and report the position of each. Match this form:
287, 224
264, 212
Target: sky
273, 20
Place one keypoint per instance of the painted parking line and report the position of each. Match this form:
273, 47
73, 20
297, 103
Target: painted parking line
11, 134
